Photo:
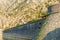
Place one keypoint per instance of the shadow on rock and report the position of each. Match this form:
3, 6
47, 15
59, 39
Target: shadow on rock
53, 35
26, 31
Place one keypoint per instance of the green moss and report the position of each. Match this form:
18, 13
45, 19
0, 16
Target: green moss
45, 14
33, 20
17, 24
43, 26
47, 5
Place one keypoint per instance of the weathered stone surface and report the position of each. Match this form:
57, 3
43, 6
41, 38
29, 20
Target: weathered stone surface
54, 8
51, 28
1, 34
22, 11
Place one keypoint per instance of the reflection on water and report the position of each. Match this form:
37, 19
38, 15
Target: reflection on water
53, 35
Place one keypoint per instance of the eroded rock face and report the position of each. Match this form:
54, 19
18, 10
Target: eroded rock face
18, 12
